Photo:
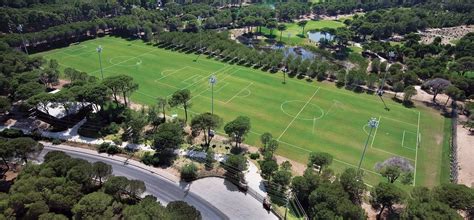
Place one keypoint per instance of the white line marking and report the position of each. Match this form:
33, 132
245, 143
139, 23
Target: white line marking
301, 110
416, 152
375, 133
403, 138
143, 54
239, 93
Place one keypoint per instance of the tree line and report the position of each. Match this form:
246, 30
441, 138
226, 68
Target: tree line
63, 187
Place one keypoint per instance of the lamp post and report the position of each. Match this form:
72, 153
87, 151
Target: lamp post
20, 29
212, 81
99, 51
373, 123
284, 75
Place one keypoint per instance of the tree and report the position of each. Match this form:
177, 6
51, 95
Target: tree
93, 205
321, 159
237, 162
302, 25
6, 153
147, 208
282, 178
134, 124
121, 85
205, 123
5, 105
162, 103
50, 74
385, 195
182, 210
101, 170
271, 146
437, 86
25, 147
181, 97
265, 138
453, 93
457, 196
268, 168
168, 136
409, 92
189, 172
116, 186
281, 28
353, 184
398, 87
422, 205
271, 25
135, 188
394, 167
237, 129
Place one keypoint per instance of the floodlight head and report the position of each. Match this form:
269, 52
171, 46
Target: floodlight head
213, 79
373, 123
99, 48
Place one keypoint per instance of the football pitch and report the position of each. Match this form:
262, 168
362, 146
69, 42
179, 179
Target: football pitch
303, 116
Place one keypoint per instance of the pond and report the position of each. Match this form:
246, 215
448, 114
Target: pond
317, 36
296, 51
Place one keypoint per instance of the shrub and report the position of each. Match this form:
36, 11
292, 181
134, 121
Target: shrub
117, 141
12, 133
112, 128
150, 159
56, 141
254, 156
189, 172
113, 149
102, 148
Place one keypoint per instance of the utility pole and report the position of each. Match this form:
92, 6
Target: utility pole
373, 123
99, 51
20, 29
212, 81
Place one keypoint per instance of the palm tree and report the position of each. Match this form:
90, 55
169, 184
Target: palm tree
281, 28
302, 25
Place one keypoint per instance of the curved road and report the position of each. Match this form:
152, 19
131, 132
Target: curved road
227, 201
165, 190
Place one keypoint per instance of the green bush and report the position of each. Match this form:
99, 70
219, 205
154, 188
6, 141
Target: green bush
113, 149
102, 148
189, 172
150, 159
254, 156
12, 133
56, 141
117, 140
112, 128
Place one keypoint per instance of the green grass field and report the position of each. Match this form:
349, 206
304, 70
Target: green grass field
303, 116
294, 30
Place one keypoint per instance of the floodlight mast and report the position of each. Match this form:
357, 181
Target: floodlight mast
99, 51
373, 123
212, 81
20, 29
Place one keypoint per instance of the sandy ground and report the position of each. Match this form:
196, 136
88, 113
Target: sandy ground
465, 156
448, 35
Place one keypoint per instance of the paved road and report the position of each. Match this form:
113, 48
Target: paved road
165, 190
215, 198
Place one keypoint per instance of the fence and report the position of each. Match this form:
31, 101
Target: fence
454, 145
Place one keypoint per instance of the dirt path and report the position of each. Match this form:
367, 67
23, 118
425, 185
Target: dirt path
465, 156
